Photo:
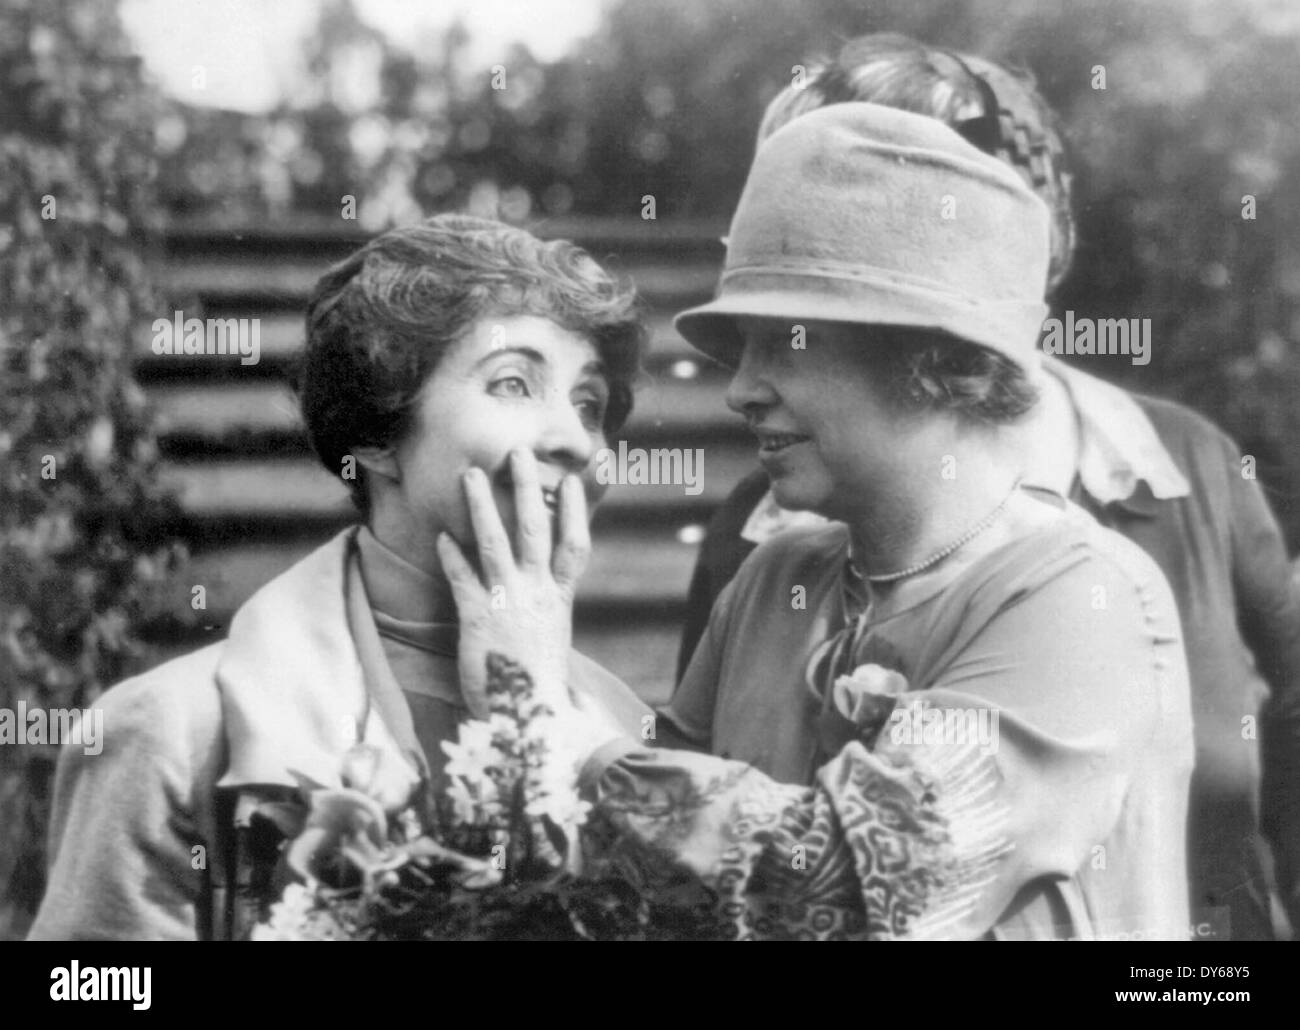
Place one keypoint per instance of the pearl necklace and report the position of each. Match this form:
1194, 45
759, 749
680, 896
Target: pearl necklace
943, 552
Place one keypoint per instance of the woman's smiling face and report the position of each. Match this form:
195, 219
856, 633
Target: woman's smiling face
508, 382
827, 437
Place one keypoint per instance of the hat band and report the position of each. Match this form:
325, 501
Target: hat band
1011, 328
810, 274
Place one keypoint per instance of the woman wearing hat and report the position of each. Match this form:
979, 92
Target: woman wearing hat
1149, 468
922, 261
962, 710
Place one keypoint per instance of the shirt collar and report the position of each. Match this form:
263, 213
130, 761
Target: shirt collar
398, 589
769, 518
1119, 447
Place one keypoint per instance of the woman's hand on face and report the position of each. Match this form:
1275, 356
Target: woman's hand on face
521, 605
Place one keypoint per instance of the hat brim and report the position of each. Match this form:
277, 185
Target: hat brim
712, 328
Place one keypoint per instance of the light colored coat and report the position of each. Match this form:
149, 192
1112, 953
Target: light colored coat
286, 693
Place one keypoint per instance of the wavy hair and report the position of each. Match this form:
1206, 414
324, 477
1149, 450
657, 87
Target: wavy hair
379, 322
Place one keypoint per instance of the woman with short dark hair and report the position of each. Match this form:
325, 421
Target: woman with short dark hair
457, 354
379, 322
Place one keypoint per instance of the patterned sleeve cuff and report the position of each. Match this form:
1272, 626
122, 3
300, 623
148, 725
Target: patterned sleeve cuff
601, 759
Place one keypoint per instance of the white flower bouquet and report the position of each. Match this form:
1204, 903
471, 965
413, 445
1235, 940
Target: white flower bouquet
493, 856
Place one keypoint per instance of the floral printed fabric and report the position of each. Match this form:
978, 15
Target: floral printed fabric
896, 842
888, 845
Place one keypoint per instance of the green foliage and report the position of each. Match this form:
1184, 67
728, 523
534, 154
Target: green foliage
80, 514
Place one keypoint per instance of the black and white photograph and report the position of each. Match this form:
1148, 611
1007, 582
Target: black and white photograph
651, 470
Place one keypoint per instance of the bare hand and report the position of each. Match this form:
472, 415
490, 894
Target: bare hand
522, 604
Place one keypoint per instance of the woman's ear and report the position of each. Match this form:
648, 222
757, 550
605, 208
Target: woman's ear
379, 461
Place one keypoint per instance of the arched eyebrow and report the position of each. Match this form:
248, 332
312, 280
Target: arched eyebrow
591, 368
532, 354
